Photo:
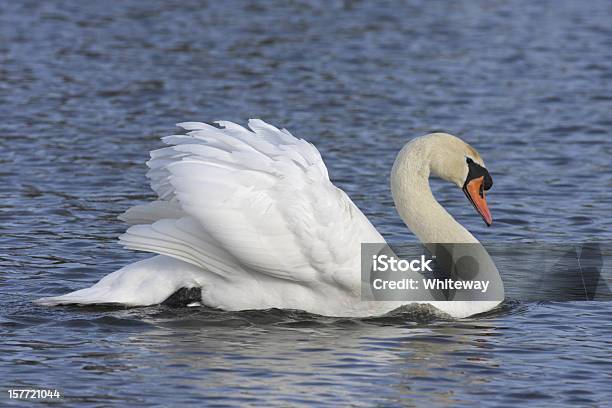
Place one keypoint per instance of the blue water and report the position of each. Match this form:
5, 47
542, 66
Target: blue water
87, 88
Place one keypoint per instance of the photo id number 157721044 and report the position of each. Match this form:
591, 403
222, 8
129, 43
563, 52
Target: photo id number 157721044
33, 394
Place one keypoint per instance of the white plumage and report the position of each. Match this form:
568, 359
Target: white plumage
252, 210
251, 217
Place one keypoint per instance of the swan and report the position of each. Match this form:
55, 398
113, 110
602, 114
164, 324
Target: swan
250, 217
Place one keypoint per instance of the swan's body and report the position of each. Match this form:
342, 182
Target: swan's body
252, 218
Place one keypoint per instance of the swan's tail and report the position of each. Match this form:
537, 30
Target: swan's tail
88, 296
143, 283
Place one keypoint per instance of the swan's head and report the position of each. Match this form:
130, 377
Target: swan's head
456, 161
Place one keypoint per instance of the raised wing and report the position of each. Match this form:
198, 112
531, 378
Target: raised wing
256, 201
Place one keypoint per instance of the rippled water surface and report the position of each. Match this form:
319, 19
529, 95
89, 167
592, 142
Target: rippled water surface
87, 88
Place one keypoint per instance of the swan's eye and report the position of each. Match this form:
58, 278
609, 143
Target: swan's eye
488, 181
469, 160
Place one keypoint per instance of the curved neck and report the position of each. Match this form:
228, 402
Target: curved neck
415, 202
432, 224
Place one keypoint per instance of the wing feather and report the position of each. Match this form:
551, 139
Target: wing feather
253, 200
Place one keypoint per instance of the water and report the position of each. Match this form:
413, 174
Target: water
87, 88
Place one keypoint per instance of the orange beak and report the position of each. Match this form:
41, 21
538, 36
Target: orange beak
474, 191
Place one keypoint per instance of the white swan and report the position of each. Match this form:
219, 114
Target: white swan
251, 218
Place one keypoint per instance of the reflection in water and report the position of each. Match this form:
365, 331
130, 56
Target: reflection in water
284, 360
